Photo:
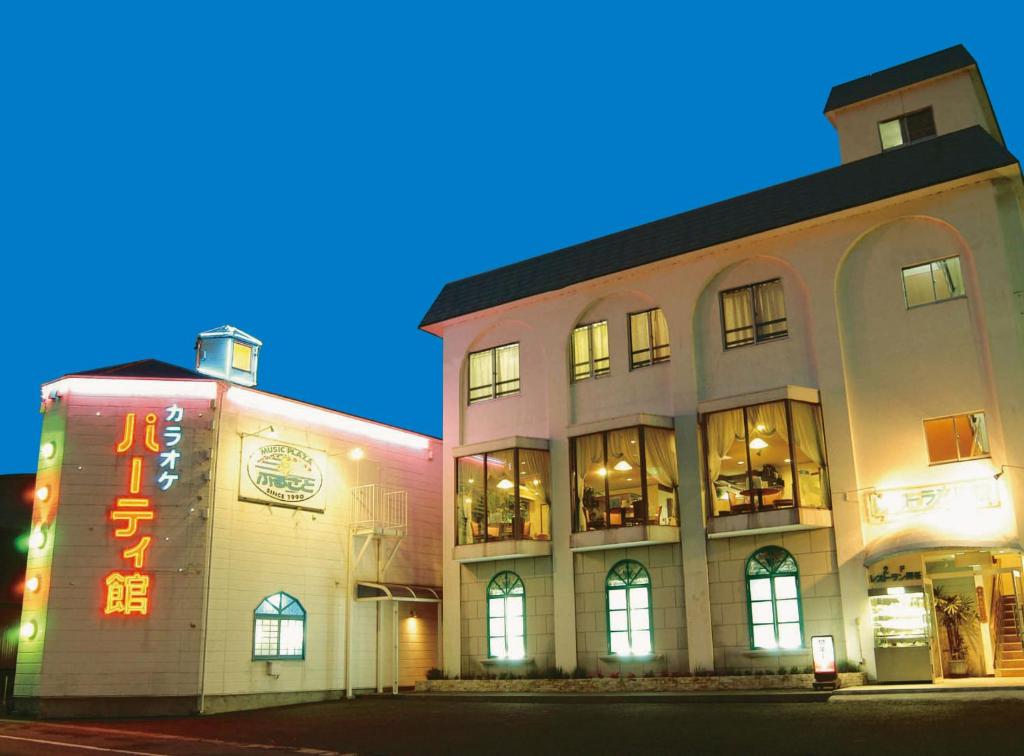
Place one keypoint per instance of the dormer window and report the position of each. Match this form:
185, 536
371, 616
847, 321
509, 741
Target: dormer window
907, 129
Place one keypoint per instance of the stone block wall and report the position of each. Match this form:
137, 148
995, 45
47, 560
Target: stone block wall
540, 613
665, 565
820, 603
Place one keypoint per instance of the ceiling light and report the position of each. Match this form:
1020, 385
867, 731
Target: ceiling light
758, 443
623, 466
787, 460
504, 484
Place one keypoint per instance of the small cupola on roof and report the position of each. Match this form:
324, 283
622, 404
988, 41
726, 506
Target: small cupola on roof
923, 98
229, 353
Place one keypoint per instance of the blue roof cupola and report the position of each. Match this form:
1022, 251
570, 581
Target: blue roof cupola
229, 353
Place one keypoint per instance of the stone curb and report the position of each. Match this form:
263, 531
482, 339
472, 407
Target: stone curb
746, 696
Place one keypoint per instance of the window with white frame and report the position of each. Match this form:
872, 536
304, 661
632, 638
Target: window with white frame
506, 617
590, 351
279, 628
494, 372
956, 438
753, 313
934, 281
648, 338
630, 618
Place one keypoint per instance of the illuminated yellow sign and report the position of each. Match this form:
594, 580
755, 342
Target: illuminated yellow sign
904, 503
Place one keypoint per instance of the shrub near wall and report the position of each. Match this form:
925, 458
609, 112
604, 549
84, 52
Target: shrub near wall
635, 684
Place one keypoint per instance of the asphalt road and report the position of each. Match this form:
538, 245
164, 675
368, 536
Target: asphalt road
419, 726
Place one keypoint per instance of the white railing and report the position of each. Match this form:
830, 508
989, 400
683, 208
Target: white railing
378, 509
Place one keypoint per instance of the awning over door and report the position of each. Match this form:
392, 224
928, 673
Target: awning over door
923, 538
367, 591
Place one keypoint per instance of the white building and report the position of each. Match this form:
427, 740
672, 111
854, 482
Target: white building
695, 444
200, 545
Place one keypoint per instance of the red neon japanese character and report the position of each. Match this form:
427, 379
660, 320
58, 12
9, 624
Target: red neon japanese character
127, 594
137, 553
132, 517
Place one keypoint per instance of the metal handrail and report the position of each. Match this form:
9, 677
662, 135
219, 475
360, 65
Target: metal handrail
376, 507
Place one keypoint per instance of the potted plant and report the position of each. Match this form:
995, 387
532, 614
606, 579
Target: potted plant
956, 613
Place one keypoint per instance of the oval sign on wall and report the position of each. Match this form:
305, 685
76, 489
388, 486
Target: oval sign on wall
284, 473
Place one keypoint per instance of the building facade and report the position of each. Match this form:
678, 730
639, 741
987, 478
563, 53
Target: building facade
694, 445
200, 545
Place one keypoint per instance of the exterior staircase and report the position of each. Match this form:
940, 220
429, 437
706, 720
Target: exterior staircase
1009, 648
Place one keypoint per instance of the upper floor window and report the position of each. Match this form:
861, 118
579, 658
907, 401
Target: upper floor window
628, 592
955, 438
494, 372
765, 457
753, 313
279, 629
625, 477
773, 599
241, 356
907, 129
506, 617
503, 495
648, 338
933, 282
590, 351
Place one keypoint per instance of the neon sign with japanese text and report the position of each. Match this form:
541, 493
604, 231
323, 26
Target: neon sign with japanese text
127, 590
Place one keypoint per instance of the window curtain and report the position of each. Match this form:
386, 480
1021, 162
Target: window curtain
620, 448
770, 305
737, 312
771, 416
723, 430
600, 331
979, 435
809, 437
660, 447
481, 373
508, 367
581, 352
589, 457
659, 335
640, 337
949, 279
534, 494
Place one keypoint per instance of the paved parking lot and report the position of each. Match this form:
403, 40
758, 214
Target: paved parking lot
419, 725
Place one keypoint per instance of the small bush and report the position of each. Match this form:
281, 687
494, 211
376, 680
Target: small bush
436, 674
579, 673
848, 666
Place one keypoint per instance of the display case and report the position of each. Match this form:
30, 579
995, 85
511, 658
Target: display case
903, 634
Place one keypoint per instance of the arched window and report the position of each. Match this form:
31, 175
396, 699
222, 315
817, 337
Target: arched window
279, 628
773, 599
506, 622
628, 589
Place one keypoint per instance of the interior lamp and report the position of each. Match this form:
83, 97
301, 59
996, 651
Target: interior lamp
602, 471
504, 484
623, 466
758, 443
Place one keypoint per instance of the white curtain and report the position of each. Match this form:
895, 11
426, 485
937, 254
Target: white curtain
508, 366
589, 456
600, 331
581, 352
738, 312
660, 447
770, 305
640, 337
771, 417
723, 430
810, 441
481, 374
659, 334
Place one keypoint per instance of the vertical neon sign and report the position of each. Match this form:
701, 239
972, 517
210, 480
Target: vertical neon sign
128, 593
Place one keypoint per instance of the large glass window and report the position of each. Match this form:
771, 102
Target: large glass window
494, 372
934, 281
765, 457
625, 477
754, 313
648, 338
907, 129
279, 628
773, 599
503, 495
506, 617
630, 618
590, 351
955, 438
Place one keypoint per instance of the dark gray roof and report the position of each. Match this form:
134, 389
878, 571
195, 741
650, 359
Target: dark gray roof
933, 161
144, 369
913, 71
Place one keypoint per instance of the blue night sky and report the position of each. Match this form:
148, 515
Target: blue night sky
314, 172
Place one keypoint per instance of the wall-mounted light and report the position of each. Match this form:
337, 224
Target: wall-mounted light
43, 493
356, 454
32, 584
37, 539
28, 629
269, 430
1004, 468
47, 450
